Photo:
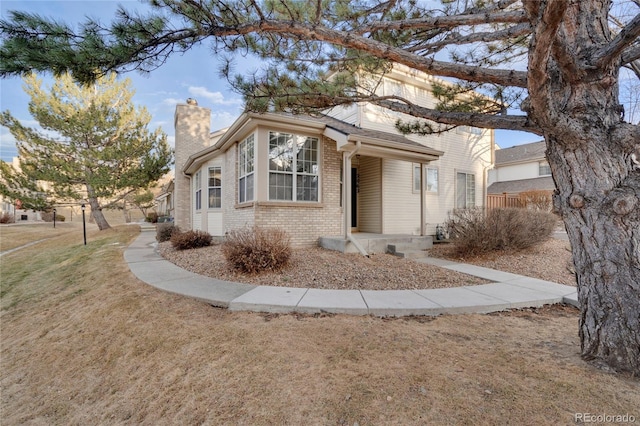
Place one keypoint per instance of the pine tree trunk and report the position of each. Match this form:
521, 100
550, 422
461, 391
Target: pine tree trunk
96, 209
592, 153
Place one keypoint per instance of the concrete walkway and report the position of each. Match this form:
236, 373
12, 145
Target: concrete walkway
505, 292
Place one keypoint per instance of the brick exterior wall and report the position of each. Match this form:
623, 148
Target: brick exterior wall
305, 224
192, 125
233, 218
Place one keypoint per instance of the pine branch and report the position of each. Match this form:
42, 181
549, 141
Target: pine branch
628, 35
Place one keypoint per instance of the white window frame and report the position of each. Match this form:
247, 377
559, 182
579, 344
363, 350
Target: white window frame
416, 179
437, 180
469, 191
197, 187
544, 169
292, 152
214, 187
246, 170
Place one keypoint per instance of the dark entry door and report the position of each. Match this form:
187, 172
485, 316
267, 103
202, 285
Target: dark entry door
354, 197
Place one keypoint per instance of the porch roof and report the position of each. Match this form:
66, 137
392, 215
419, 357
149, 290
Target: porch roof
372, 142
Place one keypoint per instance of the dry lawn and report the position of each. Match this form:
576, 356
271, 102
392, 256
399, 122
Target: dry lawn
15, 235
85, 342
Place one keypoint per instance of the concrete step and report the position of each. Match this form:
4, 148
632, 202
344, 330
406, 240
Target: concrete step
411, 254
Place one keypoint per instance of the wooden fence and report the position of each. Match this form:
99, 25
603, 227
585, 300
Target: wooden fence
495, 201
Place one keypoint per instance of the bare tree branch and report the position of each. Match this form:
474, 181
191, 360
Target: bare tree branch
448, 21
487, 121
378, 49
457, 39
629, 34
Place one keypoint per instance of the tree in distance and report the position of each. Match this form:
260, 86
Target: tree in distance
557, 62
95, 147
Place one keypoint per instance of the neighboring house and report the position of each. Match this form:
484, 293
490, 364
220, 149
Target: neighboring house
519, 169
164, 200
14, 208
327, 176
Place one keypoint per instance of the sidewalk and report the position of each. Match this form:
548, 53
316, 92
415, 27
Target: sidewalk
507, 291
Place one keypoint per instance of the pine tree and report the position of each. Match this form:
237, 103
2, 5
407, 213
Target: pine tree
558, 61
94, 145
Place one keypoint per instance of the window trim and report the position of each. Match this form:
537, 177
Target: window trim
294, 173
545, 165
466, 189
197, 186
209, 187
426, 168
243, 162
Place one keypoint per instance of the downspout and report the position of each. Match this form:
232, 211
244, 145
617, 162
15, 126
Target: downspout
347, 199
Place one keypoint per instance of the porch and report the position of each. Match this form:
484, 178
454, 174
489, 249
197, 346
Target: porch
377, 243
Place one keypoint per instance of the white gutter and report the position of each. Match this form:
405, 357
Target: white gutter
347, 199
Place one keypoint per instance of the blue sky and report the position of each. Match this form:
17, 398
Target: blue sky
192, 75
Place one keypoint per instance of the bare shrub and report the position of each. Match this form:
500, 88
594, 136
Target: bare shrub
6, 218
164, 231
475, 231
254, 250
537, 200
190, 239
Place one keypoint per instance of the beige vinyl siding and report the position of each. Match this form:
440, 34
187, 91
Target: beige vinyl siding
370, 196
401, 210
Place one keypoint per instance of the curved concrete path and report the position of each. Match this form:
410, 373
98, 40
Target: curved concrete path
506, 291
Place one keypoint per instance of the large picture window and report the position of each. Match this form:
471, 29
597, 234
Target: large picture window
293, 167
246, 167
215, 187
465, 190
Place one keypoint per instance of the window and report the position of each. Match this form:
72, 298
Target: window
246, 163
544, 169
416, 178
215, 187
468, 129
198, 191
430, 176
465, 190
293, 167
432, 180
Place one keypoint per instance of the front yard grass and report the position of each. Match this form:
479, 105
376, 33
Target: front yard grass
84, 342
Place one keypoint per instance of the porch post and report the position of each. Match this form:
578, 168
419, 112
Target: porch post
346, 193
423, 214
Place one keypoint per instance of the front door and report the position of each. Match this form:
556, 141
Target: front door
354, 197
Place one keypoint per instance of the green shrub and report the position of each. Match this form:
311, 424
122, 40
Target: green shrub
190, 240
6, 218
164, 231
476, 231
60, 217
254, 250
152, 217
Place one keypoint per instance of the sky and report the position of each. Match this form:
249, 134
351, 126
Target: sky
192, 75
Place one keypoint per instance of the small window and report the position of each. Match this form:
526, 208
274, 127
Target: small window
416, 178
215, 187
430, 177
246, 163
544, 169
468, 129
198, 191
432, 180
465, 190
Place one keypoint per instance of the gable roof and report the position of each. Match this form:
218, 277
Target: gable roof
347, 136
521, 153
